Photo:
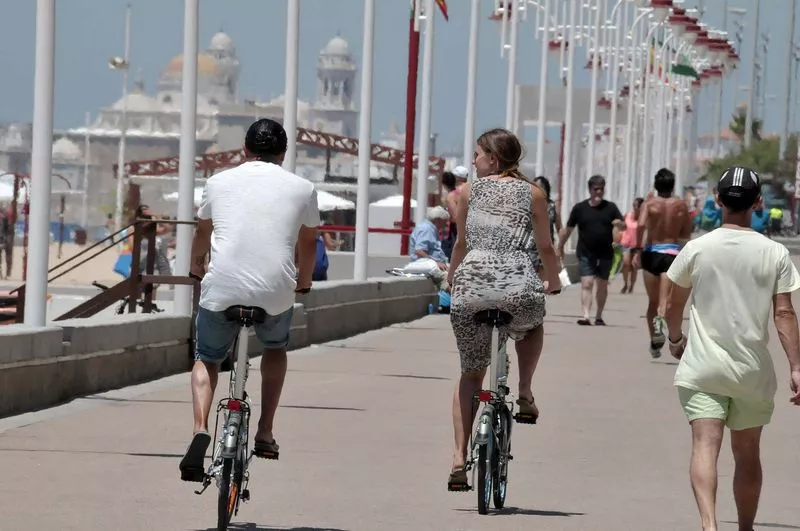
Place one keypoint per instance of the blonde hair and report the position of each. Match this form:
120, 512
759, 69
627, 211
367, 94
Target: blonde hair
506, 148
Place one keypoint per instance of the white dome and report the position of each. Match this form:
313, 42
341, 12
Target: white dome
222, 42
138, 102
337, 46
66, 149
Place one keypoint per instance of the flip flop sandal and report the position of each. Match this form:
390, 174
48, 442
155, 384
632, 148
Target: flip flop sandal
191, 465
266, 450
528, 412
458, 481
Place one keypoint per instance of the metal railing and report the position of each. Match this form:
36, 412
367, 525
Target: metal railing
131, 287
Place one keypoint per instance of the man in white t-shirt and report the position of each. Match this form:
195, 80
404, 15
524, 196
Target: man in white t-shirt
735, 278
251, 218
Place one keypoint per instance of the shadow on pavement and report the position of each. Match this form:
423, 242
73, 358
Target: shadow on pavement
142, 400
507, 511
768, 525
324, 408
415, 376
96, 452
256, 527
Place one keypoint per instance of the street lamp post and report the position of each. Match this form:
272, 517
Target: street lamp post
85, 195
787, 92
542, 114
123, 64
593, 92
568, 178
472, 78
748, 127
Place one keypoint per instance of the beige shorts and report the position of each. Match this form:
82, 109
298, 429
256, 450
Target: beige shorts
737, 413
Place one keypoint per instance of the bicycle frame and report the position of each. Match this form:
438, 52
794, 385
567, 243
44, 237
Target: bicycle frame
235, 409
498, 390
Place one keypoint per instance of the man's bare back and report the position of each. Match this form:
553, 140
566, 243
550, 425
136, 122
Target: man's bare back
666, 220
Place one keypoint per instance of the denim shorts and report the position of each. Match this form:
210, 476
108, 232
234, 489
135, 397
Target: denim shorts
591, 266
214, 334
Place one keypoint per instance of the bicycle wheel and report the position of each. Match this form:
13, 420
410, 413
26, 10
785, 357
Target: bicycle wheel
229, 491
501, 462
485, 473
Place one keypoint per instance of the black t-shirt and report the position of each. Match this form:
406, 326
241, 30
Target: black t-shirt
595, 236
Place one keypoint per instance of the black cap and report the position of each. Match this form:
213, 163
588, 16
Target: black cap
739, 182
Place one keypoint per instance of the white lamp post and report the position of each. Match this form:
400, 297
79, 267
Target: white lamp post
41, 166
186, 171
365, 146
122, 64
425, 114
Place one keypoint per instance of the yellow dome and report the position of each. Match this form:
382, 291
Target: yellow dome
206, 65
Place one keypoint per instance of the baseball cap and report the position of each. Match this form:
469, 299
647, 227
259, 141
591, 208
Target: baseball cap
460, 172
740, 183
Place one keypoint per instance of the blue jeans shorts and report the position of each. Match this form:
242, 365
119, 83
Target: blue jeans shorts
214, 334
590, 266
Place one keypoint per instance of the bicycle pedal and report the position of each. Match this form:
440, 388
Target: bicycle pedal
245, 495
525, 419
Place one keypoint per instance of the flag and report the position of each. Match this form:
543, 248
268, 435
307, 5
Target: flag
443, 7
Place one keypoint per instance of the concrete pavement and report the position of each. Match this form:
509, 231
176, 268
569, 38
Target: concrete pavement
365, 436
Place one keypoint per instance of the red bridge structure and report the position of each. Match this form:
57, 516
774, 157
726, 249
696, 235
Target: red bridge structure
209, 163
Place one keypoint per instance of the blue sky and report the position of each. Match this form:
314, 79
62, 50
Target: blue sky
89, 31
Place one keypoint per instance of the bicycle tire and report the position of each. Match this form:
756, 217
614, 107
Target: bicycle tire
485, 473
229, 491
500, 483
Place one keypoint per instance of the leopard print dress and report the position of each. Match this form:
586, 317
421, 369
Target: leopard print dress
498, 271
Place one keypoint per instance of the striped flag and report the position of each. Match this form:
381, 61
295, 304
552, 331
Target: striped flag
443, 7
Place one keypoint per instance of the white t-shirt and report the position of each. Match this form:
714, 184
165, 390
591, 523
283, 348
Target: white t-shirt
257, 210
733, 275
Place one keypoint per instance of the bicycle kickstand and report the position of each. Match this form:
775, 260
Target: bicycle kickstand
206, 483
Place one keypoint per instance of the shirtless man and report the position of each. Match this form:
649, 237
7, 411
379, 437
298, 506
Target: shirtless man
666, 219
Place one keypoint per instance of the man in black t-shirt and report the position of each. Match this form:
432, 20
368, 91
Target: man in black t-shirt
595, 219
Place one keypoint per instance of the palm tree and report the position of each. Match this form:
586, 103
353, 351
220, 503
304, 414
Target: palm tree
739, 123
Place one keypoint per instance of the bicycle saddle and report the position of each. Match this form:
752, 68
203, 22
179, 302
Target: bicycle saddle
246, 315
493, 317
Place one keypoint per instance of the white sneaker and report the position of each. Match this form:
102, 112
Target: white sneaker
659, 338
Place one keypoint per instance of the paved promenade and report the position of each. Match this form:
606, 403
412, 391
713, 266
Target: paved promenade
365, 437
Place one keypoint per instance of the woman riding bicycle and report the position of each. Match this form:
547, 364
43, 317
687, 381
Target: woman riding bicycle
503, 231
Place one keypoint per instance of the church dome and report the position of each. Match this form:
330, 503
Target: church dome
223, 43
206, 65
336, 46
66, 149
138, 102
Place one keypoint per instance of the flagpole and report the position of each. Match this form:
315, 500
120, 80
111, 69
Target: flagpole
290, 90
186, 172
512, 65
542, 114
411, 119
472, 75
364, 145
41, 165
425, 114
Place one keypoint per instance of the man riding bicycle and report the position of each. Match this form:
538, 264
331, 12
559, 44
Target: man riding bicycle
258, 213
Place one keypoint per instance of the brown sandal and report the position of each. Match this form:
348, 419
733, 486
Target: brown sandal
528, 412
458, 481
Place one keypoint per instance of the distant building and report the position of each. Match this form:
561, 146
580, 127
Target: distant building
153, 126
